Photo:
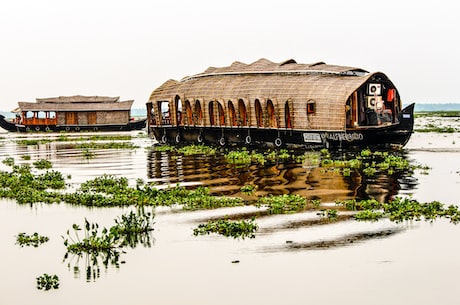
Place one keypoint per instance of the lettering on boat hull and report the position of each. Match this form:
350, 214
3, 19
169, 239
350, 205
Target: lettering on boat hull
343, 136
313, 138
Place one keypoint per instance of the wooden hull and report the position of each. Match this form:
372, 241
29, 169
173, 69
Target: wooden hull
132, 125
397, 134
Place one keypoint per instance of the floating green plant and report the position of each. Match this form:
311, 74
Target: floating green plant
201, 199
106, 246
129, 230
24, 186
228, 228
329, 214
239, 157
42, 164
30, 142
368, 215
33, 240
196, 150
108, 145
8, 161
47, 282
164, 148
282, 204
248, 189
402, 209
87, 153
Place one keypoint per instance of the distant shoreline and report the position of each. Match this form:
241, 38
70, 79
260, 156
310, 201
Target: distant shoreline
419, 107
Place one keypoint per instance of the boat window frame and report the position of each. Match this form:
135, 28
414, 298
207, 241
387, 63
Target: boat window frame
164, 113
272, 118
212, 121
198, 113
242, 113
178, 107
258, 113
188, 113
288, 115
232, 113
311, 107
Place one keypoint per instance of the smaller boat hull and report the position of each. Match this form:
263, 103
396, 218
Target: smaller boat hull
12, 127
397, 134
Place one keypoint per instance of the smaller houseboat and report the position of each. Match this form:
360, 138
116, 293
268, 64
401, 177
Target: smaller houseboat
73, 113
281, 104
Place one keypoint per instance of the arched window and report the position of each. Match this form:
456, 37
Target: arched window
212, 121
232, 114
259, 116
287, 115
163, 106
272, 121
178, 104
216, 114
221, 114
188, 113
198, 120
242, 113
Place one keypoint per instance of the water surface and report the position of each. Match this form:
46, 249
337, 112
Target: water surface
290, 261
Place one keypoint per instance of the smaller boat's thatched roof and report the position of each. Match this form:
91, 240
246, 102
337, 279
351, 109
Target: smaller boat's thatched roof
79, 99
76, 103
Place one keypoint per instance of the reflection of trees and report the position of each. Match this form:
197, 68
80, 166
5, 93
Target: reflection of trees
309, 179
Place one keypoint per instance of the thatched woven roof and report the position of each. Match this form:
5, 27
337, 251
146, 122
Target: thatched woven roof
77, 103
265, 79
79, 99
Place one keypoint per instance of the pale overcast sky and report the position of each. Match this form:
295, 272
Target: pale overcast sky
128, 48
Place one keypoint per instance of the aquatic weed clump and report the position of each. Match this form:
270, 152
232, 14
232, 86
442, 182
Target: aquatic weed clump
26, 187
228, 228
108, 190
33, 240
201, 199
47, 282
283, 204
365, 162
129, 230
401, 209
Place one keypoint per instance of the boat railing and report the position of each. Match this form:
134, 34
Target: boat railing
39, 121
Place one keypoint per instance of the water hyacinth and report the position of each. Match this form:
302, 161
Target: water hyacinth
228, 228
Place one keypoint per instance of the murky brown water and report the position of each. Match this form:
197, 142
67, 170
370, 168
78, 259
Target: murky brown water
294, 259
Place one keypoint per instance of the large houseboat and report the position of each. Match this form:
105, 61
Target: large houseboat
73, 113
281, 104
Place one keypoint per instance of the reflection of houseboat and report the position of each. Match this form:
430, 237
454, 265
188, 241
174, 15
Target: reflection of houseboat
280, 103
73, 113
